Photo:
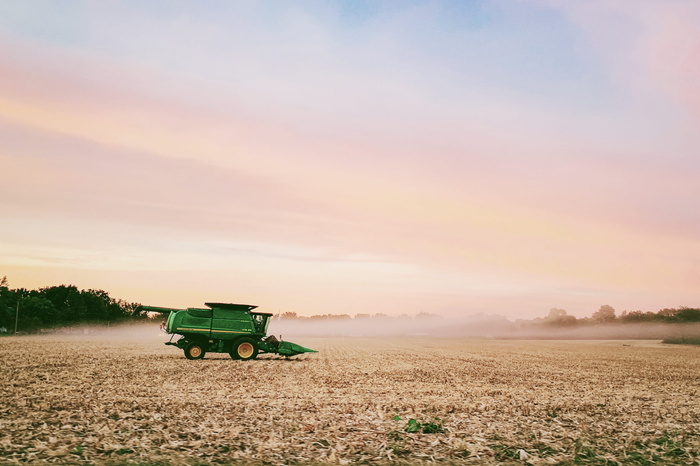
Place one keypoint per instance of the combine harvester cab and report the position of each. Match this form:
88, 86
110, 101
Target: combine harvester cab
224, 328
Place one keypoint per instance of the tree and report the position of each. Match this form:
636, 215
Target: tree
7, 305
68, 302
606, 313
555, 313
559, 317
667, 313
686, 314
637, 316
131, 309
35, 312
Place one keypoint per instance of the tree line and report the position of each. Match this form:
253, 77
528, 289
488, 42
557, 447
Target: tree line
556, 317
29, 311
607, 315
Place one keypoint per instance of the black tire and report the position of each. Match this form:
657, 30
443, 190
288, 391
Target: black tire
244, 349
194, 351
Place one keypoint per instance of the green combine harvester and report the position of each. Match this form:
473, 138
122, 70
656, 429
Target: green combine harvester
224, 328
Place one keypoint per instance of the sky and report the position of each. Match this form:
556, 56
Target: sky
344, 157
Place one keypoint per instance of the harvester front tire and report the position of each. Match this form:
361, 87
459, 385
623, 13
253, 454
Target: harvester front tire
194, 351
244, 349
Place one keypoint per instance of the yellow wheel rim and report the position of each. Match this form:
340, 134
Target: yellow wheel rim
245, 350
195, 351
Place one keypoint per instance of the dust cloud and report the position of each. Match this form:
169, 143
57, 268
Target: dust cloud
143, 331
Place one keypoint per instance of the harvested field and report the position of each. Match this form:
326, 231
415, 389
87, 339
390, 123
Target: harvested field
75, 399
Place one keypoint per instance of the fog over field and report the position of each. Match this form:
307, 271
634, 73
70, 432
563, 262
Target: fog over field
474, 327
480, 327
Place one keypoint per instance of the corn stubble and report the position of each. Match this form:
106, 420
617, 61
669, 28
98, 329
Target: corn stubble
73, 400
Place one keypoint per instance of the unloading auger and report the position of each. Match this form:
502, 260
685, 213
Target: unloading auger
224, 328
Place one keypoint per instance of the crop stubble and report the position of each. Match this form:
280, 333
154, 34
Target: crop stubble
88, 399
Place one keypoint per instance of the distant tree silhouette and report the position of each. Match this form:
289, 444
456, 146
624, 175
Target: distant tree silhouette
686, 314
559, 317
556, 313
606, 313
667, 313
637, 316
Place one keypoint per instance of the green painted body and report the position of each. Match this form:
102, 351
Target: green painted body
224, 328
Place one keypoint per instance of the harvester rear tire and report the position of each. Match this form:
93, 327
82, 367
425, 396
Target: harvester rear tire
244, 349
194, 351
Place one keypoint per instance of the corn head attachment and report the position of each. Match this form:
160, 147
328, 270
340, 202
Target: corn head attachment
223, 328
284, 348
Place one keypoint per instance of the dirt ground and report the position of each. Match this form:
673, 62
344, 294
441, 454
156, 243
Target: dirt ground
121, 398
